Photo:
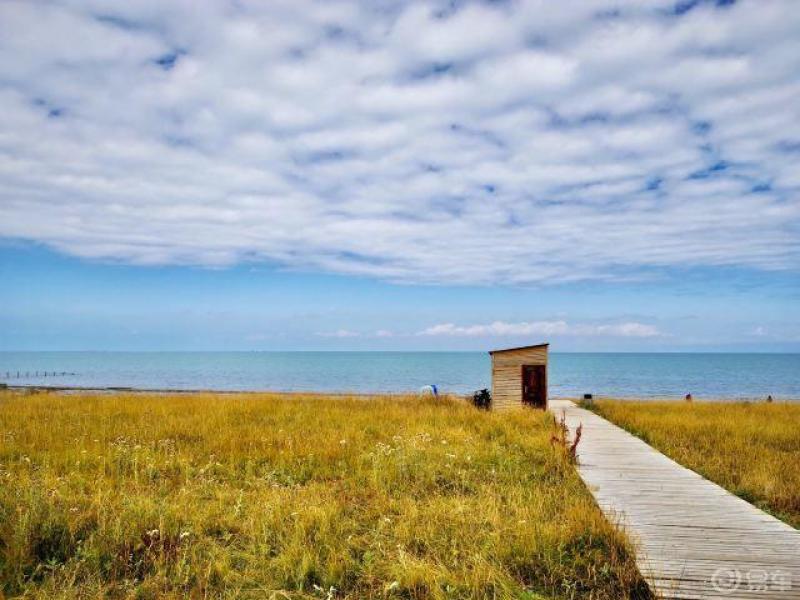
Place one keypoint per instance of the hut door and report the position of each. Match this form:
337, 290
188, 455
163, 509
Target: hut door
534, 385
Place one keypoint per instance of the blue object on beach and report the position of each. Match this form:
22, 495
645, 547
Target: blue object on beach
429, 390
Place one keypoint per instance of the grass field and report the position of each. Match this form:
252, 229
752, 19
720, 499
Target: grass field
294, 497
753, 450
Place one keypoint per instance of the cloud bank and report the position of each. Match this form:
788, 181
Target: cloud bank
544, 328
441, 142
628, 329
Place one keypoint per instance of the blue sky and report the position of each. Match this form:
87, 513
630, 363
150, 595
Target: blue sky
52, 301
400, 175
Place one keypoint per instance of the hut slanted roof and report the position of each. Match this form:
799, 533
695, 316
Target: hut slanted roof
518, 348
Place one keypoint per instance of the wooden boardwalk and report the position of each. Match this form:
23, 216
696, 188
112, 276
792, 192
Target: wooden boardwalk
693, 538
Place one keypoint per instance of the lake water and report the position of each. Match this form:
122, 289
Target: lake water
570, 374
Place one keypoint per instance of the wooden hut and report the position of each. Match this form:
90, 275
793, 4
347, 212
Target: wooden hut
519, 377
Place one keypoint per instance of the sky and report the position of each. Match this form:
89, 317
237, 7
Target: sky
604, 175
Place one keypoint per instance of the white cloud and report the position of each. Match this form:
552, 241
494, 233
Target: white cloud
499, 328
491, 143
628, 330
339, 333
543, 328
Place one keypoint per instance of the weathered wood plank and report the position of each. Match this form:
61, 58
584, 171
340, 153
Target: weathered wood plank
528, 356
693, 538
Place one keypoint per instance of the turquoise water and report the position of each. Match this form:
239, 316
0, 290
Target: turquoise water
628, 374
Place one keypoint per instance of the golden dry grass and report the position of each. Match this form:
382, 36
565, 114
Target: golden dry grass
751, 449
270, 496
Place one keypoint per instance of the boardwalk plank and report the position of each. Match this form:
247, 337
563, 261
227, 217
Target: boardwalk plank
694, 539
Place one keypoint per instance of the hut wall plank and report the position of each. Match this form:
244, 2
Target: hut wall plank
506, 387
528, 356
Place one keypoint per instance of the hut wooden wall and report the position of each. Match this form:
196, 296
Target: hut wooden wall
507, 374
